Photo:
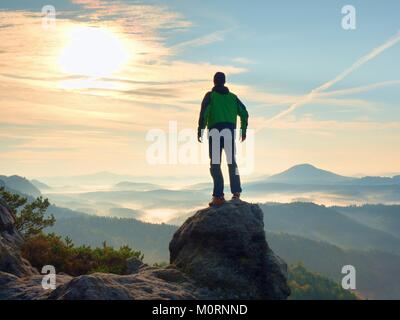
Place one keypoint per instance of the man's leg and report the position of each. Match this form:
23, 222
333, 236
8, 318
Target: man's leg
234, 177
215, 150
218, 179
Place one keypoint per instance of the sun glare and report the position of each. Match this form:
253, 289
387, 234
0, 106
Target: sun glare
93, 52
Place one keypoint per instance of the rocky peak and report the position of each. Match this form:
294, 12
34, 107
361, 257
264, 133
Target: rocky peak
225, 250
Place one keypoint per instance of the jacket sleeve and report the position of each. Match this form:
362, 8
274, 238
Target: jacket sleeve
203, 111
243, 114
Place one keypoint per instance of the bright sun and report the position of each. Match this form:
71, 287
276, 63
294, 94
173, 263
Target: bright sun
93, 52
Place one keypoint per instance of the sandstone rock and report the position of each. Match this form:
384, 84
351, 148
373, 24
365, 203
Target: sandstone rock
133, 265
94, 287
26, 288
10, 241
12, 262
225, 250
142, 286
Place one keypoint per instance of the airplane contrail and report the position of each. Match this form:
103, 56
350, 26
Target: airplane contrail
359, 63
365, 88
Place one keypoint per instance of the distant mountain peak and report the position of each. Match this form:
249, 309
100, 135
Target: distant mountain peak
307, 174
304, 165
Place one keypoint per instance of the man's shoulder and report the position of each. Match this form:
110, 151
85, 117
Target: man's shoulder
233, 95
207, 97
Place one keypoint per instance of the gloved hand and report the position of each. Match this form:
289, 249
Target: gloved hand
200, 135
242, 135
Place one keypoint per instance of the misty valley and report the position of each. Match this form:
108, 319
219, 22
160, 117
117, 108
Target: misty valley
315, 220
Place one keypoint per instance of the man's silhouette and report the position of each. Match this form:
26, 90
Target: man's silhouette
219, 111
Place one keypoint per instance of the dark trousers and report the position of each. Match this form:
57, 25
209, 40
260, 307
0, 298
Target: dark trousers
222, 137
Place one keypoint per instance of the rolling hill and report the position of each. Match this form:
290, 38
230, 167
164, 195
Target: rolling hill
40, 185
20, 184
326, 224
376, 271
382, 217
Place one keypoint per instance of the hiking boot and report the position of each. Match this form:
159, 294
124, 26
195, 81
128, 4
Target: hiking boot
217, 201
236, 196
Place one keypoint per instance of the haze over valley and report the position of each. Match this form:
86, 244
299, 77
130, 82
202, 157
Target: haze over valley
312, 216
107, 194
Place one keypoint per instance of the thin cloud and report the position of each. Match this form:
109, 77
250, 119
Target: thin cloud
90, 4
242, 60
201, 41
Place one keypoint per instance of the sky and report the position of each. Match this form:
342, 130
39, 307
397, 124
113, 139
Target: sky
81, 95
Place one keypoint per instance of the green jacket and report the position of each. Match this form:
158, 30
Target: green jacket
222, 106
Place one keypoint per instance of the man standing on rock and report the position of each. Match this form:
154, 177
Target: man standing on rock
219, 111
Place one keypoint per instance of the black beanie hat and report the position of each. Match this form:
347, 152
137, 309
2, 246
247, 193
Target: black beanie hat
219, 79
